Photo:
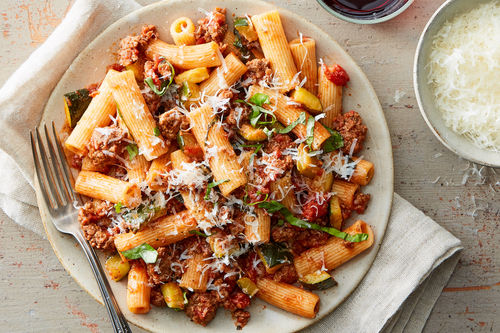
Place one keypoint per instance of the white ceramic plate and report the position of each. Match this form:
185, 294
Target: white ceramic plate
90, 66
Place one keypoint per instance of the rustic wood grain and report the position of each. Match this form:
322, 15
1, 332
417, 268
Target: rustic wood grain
36, 294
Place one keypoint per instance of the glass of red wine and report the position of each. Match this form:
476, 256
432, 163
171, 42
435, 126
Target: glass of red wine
365, 11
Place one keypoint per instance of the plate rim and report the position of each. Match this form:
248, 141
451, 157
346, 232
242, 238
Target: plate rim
45, 217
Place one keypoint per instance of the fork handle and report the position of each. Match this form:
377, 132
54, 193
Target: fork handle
118, 321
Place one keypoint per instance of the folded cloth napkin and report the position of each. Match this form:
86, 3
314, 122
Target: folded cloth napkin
413, 265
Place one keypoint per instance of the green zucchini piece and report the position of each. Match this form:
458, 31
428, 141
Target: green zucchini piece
319, 280
247, 286
335, 213
274, 256
75, 104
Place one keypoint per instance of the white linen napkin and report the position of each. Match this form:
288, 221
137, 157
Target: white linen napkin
398, 293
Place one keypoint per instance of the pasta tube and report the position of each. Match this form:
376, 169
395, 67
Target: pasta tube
330, 96
186, 57
161, 232
224, 76
217, 149
345, 191
99, 186
258, 226
276, 49
286, 113
304, 55
97, 114
287, 297
137, 169
196, 275
157, 174
182, 31
335, 252
136, 115
138, 289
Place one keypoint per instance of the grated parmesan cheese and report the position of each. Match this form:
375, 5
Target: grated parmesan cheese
463, 69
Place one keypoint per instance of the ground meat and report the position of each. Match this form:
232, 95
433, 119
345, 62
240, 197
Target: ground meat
94, 221
105, 147
212, 28
252, 266
201, 308
93, 89
308, 239
156, 297
258, 70
279, 143
286, 274
131, 47
171, 122
316, 207
360, 202
163, 271
115, 67
237, 115
153, 101
351, 127
238, 226
237, 301
198, 245
224, 290
240, 318
284, 233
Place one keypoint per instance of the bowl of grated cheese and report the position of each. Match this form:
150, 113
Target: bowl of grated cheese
457, 78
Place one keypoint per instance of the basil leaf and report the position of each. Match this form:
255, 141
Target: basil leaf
164, 85
180, 141
156, 131
212, 185
118, 207
268, 132
260, 99
199, 233
274, 206
132, 151
144, 251
259, 202
310, 131
289, 128
212, 123
334, 142
240, 22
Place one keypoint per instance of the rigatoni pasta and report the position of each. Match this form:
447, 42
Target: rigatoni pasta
275, 46
212, 177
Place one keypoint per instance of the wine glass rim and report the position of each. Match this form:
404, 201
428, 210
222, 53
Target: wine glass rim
365, 21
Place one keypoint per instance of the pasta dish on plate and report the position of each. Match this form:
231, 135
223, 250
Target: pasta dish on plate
220, 168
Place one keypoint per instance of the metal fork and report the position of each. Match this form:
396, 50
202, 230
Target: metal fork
54, 178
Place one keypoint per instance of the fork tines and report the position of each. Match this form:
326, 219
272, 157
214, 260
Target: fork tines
51, 169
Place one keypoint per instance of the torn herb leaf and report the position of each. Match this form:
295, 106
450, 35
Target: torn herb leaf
144, 251
241, 22
300, 120
132, 151
156, 131
199, 233
310, 131
334, 142
274, 206
212, 185
118, 207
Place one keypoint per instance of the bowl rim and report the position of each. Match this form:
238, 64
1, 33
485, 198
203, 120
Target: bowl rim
416, 77
358, 21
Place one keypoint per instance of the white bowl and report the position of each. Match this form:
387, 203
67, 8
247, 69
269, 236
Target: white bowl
457, 143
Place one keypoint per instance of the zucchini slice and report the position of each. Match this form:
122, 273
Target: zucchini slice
335, 213
173, 295
319, 280
250, 133
306, 164
117, 267
274, 256
247, 286
188, 144
75, 104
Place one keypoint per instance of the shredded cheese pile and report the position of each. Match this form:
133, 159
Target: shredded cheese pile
464, 71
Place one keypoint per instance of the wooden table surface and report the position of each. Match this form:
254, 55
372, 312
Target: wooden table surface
36, 294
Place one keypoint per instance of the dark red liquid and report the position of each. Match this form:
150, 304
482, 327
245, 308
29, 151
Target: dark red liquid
365, 8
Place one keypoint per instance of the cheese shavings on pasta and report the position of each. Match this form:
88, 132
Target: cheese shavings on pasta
464, 71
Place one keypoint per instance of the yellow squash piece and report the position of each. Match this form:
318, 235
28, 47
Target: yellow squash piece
247, 286
173, 295
117, 267
335, 213
250, 133
195, 75
307, 165
306, 98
